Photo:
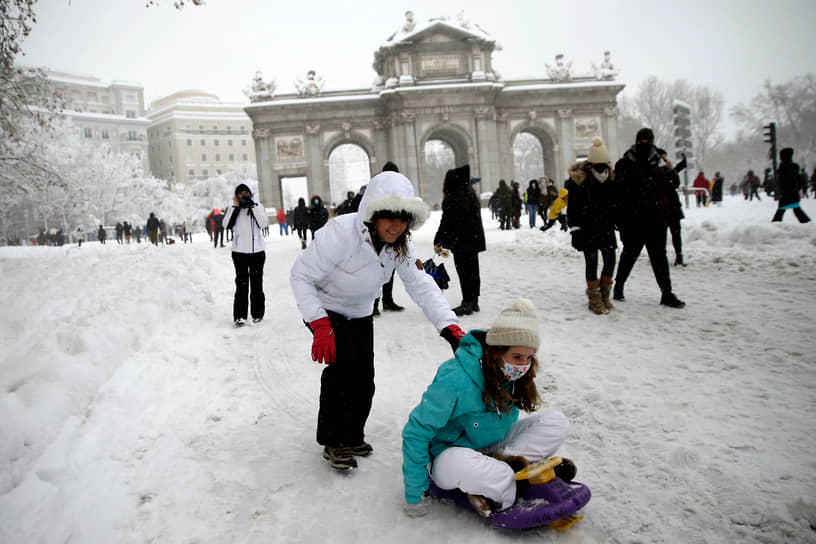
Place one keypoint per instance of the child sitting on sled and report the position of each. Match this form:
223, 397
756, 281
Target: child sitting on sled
466, 430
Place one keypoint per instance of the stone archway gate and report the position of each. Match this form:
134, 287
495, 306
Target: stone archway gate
435, 81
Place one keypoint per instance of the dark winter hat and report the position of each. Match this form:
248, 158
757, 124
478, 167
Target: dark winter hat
390, 167
242, 187
456, 178
645, 134
786, 154
515, 326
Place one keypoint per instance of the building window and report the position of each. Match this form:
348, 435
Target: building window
105, 134
88, 133
215, 129
201, 129
203, 157
204, 172
203, 142
244, 157
229, 129
215, 143
132, 135
191, 172
189, 157
231, 157
229, 143
217, 157
243, 129
189, 141
130, 114
243, 143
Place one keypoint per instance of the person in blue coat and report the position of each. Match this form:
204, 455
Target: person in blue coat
466, 430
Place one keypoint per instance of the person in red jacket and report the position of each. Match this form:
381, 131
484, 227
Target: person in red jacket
700, 182
284, 228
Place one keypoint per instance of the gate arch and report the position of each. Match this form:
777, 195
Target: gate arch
460, 142
547, 139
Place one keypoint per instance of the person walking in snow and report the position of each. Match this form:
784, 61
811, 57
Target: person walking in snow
128, 231
153, 226
701, 184
556, 210
531, 198
283, 228
247, 219
217, 226
301, 221
504, 197
335, 281
318, 215
119, 230
676, 214
717, 185
788, 187
461, 232
642, 216
591, 220
467, 429
101, 235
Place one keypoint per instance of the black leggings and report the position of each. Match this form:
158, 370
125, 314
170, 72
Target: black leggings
591, 260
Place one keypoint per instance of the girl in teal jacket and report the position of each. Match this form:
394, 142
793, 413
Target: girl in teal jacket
467, 424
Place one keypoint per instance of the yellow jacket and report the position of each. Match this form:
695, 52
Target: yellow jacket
558, 205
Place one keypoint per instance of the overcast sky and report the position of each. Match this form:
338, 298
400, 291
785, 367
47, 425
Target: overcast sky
729, 45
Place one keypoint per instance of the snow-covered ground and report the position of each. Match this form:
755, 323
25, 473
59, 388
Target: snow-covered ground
132, 411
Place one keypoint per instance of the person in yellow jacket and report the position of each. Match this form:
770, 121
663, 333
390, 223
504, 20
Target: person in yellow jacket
555, 211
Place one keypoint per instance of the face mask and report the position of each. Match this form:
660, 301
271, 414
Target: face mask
514, 372
643, 151
601, 176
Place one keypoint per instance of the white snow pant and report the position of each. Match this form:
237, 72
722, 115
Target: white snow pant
535, 437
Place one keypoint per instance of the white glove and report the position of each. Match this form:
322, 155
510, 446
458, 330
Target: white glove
441, 251
417, 509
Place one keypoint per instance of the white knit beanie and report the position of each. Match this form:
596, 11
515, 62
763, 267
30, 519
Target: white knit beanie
597, 153
515, 326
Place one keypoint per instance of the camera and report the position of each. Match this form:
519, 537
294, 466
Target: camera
245, 201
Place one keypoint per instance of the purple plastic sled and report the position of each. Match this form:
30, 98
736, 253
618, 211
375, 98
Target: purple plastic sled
538, 505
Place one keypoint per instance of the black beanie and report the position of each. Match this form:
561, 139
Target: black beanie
390, 167
242, 187
645, 134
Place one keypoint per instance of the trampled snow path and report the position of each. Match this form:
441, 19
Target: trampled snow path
133, 412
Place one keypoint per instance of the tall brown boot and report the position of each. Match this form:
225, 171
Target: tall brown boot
594, 296
606, 287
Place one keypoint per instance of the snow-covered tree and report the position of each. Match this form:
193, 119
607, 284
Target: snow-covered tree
792, 106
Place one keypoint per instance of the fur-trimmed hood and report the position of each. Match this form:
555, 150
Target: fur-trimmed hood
579, 171
392, 191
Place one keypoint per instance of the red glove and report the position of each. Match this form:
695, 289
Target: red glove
323, 348
452, 333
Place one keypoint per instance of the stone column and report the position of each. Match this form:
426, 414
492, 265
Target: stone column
380, 146
567, 143
412, 159
487, 144
267, 178
317, 181
611, 134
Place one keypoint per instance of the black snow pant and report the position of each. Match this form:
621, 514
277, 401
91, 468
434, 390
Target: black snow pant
467, 268
677, 240
797, 211
654, 238
347, 384
248, 281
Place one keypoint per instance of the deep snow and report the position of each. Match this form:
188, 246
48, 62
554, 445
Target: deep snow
132, 410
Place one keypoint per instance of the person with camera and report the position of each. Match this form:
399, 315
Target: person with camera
247, 219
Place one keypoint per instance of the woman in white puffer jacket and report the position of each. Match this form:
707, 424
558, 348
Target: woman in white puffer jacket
335, 281
247, 219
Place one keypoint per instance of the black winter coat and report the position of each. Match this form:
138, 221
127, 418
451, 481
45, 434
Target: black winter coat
301, 216
318, 214
461, 226
789, 183
643, 191
591, 206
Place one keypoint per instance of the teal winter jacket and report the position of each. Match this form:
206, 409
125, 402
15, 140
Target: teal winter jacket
451, 413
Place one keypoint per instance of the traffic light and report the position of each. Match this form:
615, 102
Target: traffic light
769, 135
682, 126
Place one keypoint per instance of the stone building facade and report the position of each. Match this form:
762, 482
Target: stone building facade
435, 81
193, 135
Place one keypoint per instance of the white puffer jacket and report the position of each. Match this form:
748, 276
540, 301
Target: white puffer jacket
246, 233
340, 271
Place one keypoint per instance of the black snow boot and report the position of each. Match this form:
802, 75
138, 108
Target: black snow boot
617, 292
678, 261
670, 300
466, 308
390, 306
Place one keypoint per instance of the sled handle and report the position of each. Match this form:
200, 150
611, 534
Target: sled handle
541, 471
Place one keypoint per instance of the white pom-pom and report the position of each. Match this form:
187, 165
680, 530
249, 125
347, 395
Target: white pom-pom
596, 142
524, 305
